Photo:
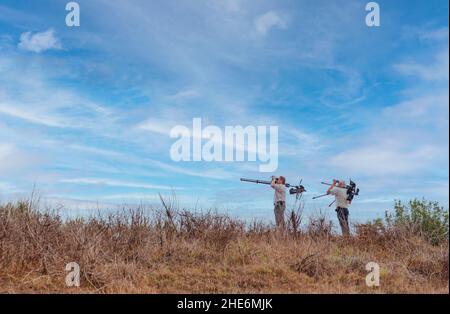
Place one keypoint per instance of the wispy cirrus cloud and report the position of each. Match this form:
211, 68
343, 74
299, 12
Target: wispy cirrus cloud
115, 183
437, 34
436, 70
385, 159
433, 67
185, 94
31, 116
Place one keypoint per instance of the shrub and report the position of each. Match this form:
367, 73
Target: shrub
425, 218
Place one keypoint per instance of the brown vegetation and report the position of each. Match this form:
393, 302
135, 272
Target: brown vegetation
175, 251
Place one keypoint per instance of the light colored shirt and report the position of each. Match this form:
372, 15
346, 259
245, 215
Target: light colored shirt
280, 193
341, 196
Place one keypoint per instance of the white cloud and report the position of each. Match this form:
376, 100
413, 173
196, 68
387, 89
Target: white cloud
407, 139
14, 162
156, 126
115, 183
6, 150
132, 196
32, 117
217, 174
264, 23
430, 108
94, 150
436, 70
385, 158
74, 207
185, 94
39, 42
434, 34
230, 6
27, 93
5, 186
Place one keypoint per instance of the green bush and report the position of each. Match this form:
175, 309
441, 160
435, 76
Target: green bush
425, 218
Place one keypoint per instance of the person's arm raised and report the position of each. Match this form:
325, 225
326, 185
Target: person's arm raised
331, 186
273, 183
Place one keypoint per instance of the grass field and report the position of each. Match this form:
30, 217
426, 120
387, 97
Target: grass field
174, 251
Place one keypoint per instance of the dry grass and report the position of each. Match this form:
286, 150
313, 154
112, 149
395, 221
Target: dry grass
176, 251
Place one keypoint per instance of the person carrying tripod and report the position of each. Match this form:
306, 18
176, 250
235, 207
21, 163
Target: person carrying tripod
339, 190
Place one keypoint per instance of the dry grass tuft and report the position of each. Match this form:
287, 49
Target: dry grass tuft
168, 250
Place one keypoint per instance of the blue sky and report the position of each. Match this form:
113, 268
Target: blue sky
85, 112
